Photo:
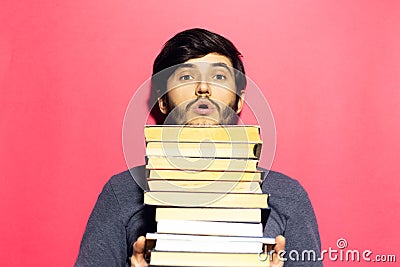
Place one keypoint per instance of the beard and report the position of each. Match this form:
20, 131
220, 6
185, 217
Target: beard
180, 115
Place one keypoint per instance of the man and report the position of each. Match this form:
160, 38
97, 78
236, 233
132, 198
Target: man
198, 79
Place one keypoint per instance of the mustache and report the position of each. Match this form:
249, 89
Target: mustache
177, 115
191, 103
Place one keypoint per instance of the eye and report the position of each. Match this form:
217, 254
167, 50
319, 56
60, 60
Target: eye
185, 77
220, 77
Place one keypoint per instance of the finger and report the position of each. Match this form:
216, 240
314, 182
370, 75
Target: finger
137, 259
138, 246
280, 243
279, 247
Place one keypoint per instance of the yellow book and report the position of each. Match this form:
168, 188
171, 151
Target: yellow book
202, 199
203, 186
169, 258
225, 133
205, 175
203, 150
201, 164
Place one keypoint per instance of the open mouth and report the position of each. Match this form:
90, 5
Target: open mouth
203, 107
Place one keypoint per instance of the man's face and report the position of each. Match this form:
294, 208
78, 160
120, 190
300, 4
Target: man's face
202, 91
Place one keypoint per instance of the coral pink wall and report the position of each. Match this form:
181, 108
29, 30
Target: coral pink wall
68, 69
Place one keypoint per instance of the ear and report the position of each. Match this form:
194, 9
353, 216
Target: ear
162, 104
240, 102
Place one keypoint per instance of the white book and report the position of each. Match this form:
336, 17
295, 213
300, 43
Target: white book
209, 214
208, 246
209, 228
217, 244
264, 240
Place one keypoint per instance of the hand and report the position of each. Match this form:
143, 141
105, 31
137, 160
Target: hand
137, 259
277, 260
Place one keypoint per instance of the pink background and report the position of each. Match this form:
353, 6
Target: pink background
68, 69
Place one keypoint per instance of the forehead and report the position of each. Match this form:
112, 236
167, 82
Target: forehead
212, 58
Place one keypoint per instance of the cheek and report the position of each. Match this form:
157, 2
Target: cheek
180, 95
224, 96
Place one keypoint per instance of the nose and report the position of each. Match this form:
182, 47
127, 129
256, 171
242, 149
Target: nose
203, 89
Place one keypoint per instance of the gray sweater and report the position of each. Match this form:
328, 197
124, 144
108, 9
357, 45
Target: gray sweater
120, 217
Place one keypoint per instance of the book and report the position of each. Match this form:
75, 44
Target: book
199, 164
203, 186
225, 133
197, 259
208, 246
263, 240
218, 244
204, 175
209, 228
209, 214
205, 199
206, 186
204, 150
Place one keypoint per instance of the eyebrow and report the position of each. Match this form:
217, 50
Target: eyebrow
217, 64
220, 64
185, 65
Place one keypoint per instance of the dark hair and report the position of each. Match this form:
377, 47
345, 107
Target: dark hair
189, 44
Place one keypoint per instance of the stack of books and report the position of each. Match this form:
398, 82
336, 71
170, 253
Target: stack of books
206, 186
